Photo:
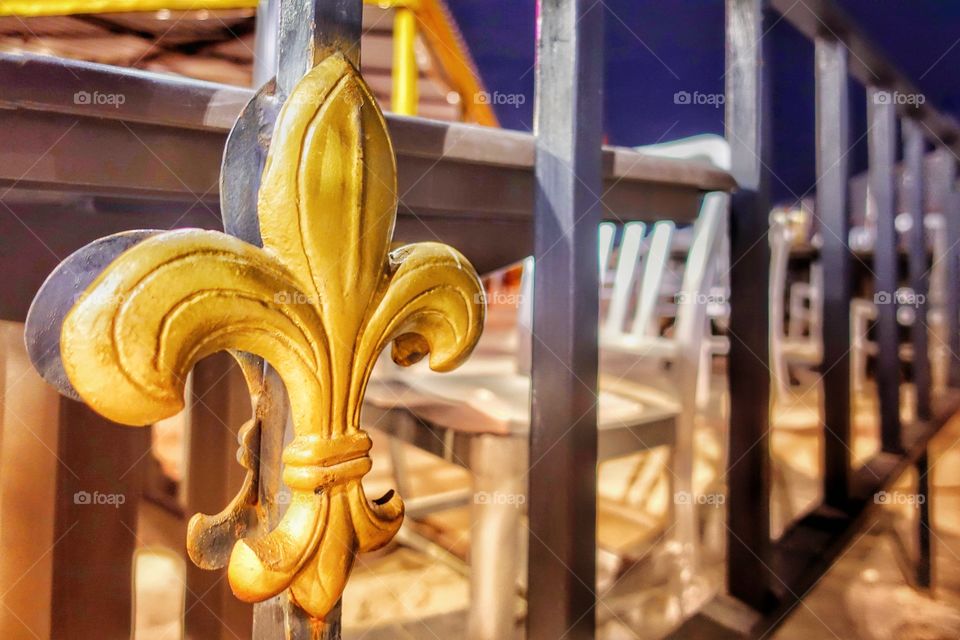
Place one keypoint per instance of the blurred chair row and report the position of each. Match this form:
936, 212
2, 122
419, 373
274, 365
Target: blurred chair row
664, 298
656, 347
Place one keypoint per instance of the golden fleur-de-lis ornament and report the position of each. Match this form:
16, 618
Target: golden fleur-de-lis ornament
319, 302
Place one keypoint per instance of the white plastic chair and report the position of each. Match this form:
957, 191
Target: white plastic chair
804, 346
493, 395
683, 349
806, 306
787, 349
936, 233
488, 396
714, 150
697, 286
864, 312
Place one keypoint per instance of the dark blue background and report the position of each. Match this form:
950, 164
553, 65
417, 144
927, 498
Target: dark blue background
655, 48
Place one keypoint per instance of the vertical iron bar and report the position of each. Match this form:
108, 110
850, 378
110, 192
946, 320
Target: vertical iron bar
563, 430
882, 143
265, 42
913, 186
833, 143
748, 117
951, 213
268, 618
309, 30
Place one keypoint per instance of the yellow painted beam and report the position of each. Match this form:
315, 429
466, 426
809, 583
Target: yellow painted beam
405, 96
36, 8
438, 30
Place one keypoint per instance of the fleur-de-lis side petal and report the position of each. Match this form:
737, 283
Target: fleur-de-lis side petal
320, 301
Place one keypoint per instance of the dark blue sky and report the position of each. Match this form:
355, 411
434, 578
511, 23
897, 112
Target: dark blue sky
657, 48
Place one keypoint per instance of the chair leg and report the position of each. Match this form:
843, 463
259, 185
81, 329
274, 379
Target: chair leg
399, 467
704, 373
902, 552
782, 494
861, 314
925, 548
685, 506
409, 537
496, 516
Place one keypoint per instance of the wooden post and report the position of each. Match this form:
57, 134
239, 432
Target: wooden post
98, 492
882, 143
563, 430
833, 144
498, 467
219, 405
70, 485
28, 491
748, 116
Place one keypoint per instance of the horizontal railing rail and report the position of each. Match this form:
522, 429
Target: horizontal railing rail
868, 63
139, 141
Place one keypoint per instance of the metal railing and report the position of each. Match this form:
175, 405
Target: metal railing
558, 175
496, 195
772, 576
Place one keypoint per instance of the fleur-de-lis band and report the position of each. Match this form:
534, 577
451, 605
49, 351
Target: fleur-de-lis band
319, 301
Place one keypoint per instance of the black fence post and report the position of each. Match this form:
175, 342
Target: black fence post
748, 469
951, 215
913, 192
563, 429
833, 144
882, 143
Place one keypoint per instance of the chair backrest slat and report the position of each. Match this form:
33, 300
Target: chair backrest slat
700, 270
658, 255
606, 233
779, 259
627, 259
